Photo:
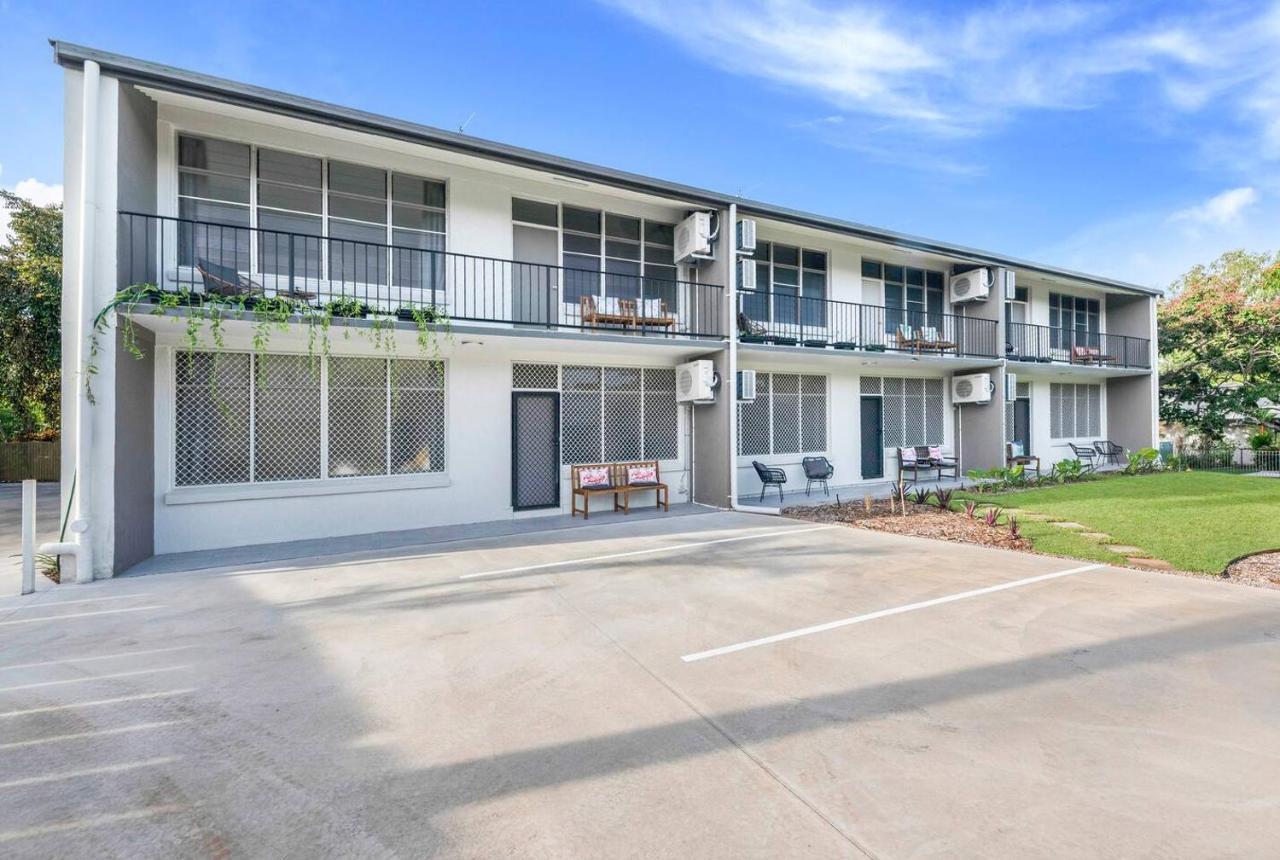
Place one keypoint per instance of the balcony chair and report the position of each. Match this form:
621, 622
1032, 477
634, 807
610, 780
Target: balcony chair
1015, 455
909, 461
907, 339
932, 454
930, 339
769, 477
1110, 451
1090, 355
750, 331
607, 311
226, 281
817, 470
653, 313
1087, 456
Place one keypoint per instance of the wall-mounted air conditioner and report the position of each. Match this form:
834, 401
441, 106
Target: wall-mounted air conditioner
971, 286
746, 274
693, 238
746, 236
696, 382
746, 385
971, 388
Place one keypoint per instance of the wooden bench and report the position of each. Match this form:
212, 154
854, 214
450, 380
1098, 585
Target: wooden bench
598, 312
618, 485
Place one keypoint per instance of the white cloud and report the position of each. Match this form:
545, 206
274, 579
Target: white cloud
39, 193
1154, 247
1220, 210
949, 74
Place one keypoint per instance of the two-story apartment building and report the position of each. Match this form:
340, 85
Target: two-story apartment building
557, 310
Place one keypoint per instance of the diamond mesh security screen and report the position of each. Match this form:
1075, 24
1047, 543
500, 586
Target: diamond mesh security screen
211, 418
788, 416
580, 418
357, 417
535, 377
418, 430
914, 411
869, 385
1075, 410
286, 422
661, 415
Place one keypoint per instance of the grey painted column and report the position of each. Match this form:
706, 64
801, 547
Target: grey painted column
980, 429
713, 447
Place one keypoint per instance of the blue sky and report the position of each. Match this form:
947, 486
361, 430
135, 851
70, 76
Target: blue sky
1127, 139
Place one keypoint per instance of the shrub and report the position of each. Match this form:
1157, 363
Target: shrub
943, 498
1067, 471
992, 516
1142, 461
1264, 438
919, 497
1014, 530
971, 508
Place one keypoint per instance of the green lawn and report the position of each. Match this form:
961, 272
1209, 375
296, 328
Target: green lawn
1196, 521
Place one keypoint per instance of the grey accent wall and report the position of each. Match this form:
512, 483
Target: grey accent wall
980, 427
1132, 411
134, 453
135, 177
1129, 315
713, 454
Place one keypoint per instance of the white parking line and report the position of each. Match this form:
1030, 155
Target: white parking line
86, 658
48, 709
649, 551
78, 615
87, 678
92, 771
41, 605
883, 613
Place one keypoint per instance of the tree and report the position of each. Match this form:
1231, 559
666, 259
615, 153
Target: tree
30, 319
1220, 343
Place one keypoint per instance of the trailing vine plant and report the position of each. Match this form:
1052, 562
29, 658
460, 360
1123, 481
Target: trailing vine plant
207, 312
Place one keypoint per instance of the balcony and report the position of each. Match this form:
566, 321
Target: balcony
810, 323
1040, 343
199, 258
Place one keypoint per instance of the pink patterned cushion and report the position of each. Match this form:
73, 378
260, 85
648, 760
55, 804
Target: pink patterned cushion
642, 475
594, 479
935, 452
909, 455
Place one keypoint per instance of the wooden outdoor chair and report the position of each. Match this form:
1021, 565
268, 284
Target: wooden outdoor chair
1015, 456
653, 313
934, 456
908, 461
607, 311
1090, 355
931, 340
907, 339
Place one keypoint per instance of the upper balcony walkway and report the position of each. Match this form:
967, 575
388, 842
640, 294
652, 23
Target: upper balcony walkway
1043, 344
197, 259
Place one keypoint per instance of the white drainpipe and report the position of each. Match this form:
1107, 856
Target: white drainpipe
730, 385
82, 548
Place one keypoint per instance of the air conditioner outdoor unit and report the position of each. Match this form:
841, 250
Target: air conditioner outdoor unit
747, 236
696, 382
693, 237
971, 388
746, 385
746, 274
971, 286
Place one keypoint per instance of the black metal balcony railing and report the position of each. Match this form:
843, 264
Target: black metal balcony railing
1030, 342
178, 255
789, 320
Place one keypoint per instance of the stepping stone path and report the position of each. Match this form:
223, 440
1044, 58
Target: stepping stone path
1075, 527
1150, 563
1131, 551
1135, 556
1096, 535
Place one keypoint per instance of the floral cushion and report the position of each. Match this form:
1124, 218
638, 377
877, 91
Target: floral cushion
909, 456
641, 475
935, 453
594, 479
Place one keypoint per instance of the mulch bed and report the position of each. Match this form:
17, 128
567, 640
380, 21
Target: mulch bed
1262, 569
920, 521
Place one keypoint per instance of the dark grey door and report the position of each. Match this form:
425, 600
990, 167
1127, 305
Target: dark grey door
535, 450
872, 438
1022, 423
535, 294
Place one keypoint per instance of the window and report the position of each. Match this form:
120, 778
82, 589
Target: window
788, 416
791, 286
913, 296
1073, 320
610, 414
241, 418
637, 256
1075, 411
914, 409
213, 187
301, 201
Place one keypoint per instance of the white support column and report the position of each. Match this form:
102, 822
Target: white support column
28, 536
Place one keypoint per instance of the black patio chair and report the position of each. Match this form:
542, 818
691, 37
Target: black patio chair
817, 470
769, 477
1087, 456
1110, 451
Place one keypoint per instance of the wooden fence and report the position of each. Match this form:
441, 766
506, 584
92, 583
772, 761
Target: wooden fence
22, 460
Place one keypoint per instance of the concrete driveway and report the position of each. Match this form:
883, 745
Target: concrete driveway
711, 686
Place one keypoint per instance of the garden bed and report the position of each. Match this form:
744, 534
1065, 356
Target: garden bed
919, 521
1261, 569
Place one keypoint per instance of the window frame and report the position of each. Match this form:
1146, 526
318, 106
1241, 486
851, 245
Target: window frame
811, 314
801, 397
930, 307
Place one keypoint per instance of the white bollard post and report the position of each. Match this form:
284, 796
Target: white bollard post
28, 536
